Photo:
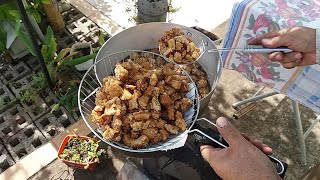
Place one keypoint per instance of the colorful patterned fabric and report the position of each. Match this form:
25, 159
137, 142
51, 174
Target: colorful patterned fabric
251, 18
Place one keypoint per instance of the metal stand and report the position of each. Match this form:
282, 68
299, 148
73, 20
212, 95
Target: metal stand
31, 35
297, 119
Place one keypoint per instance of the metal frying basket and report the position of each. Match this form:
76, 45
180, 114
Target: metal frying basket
91, 83
146, 36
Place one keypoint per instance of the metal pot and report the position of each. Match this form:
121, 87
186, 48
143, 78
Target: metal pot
146, 36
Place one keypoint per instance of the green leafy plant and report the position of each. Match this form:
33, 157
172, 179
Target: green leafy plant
82, 151
4, 101
69, 100
39, 81
27, 96
34, 7
10, 14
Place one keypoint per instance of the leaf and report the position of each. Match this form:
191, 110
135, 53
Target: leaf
304, 19
101, 38
264, 4
263, 32
234, 67
251, 22
44, 52
3, 39
299, 23
45, 1
271, 69
14, 14
55, 108
24, 38
274, 64
276, 73
2, 15
37, 16
258, 71
62, 54
49, 49
248, 36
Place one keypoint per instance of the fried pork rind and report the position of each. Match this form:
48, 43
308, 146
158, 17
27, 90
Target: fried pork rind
176, 46
171, 128
113, 107
199, 76
144, 101
120, 72
112, 87
141, 115
180, 122
164, 134
142, 141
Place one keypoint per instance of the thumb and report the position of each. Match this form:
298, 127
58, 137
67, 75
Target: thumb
229, 132
273, 42
211, 154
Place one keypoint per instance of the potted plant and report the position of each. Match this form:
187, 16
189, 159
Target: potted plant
82, 50
80, 151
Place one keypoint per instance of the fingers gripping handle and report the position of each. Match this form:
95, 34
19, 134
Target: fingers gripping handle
206, 136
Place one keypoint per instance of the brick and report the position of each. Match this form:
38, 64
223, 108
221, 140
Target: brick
71, 16
51, 100
32, 63
15, 72
21, 84
64, 7
64, 39
81, 27
36, 110
6, 98
76, 114
25, 142
5, 159
12, 121
53, 123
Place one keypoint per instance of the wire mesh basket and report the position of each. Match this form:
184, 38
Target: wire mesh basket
91, 82
198, 42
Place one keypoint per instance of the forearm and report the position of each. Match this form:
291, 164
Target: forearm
318, 45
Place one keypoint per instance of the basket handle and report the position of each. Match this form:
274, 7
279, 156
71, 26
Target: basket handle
206, 136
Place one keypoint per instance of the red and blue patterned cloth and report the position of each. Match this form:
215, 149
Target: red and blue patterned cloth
251, 18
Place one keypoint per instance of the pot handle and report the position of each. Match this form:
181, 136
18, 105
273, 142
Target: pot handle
207, 136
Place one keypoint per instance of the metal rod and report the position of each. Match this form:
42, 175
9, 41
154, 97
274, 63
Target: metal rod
259, 91
31, 35
252, 99
311, 127
301, 141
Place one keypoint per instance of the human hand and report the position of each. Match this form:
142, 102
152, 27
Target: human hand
302, 40
242, 159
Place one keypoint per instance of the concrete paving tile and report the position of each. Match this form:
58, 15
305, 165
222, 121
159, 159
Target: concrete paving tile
84, 7
106, 23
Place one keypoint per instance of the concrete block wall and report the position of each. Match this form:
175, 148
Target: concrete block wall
5, 97
12, 121
25, 142
64, 39
20, 84
32, 63
5, 159
53, 123
12, 73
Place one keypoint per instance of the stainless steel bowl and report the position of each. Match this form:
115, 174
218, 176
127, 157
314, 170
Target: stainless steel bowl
146, 36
